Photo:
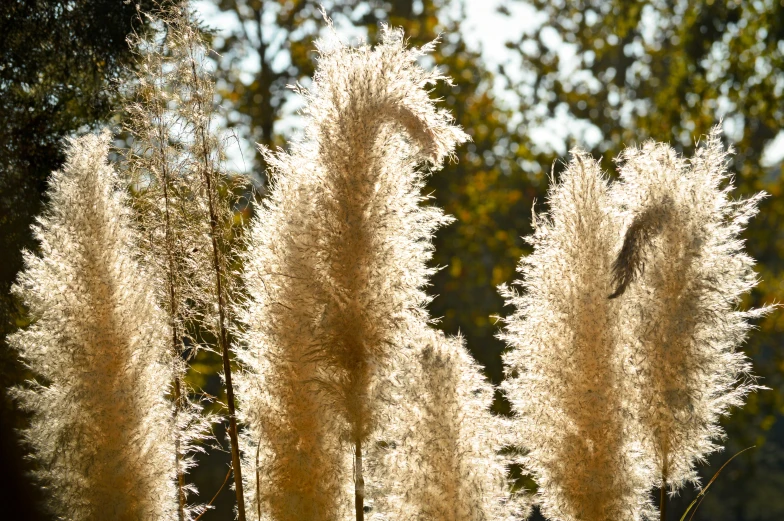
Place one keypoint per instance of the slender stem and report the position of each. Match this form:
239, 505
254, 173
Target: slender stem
177, 456
663, 500
359, 483
222, 337
235, 449
173, 311
225, 480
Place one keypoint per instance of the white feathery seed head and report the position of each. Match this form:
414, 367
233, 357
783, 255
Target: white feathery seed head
370, 122
442, 457
335, 269
565, 366
680, 276
101, 424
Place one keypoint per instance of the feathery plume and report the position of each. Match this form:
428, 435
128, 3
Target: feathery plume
293, 461
684, 327
565, 368
444, 461
101, 424
345, 239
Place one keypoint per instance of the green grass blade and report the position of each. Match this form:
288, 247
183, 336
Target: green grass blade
702, 493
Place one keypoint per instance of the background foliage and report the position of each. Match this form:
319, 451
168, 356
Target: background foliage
605, 73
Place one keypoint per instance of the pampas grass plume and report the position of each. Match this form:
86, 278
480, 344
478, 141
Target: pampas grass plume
101, 424
337, 260
443, 458
680, 276
565, 367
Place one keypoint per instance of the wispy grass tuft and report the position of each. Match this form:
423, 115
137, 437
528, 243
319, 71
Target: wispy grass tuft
682, 324
442, 457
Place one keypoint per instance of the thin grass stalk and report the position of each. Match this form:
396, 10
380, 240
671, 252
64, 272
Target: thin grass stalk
207, 172
169, 210
176, 349
173, 314
170, 276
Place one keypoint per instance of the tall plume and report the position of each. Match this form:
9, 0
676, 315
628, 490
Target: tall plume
443, 458
684, 327
101, 423
343, 242
293, 464
565, 367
